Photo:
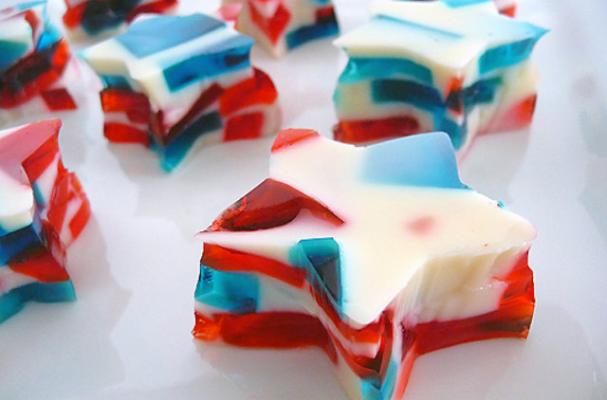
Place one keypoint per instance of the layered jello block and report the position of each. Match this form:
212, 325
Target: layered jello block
94, 18
283, 25
423, 66
375, 254
33, 60
193, 83
43, 209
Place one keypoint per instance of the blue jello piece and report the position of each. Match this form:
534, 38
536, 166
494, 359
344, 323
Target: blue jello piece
115, 81
167, 32
229, 55
372, 390
14, 300
359, 69
426, 160
10, 52
16, 243
509, 54
233, 292
308, 33
321, 257
175, 151
406, 91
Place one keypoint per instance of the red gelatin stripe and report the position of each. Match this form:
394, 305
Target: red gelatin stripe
273, 27
17, 85
246, 126
41, 266
58, 100
269, 205
156, 7
289, 137
509, 11
224, 259
365, 131
73, 15
120, 133
255, 91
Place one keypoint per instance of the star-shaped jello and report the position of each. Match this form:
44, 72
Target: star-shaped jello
376, 254
42, 211
424, 66
192, 84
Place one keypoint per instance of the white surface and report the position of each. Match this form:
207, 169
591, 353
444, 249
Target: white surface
136, 265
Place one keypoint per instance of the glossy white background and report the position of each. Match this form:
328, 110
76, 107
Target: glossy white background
128, 336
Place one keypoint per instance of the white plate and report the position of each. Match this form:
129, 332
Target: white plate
128, 335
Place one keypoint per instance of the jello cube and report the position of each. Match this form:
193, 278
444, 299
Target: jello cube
193, 82
282, 25
33, 60
42, 211
95, 18
423, 66
375, 254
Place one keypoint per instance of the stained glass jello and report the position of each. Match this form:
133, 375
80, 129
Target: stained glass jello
375, 254
43, 209
424, 66
193, 83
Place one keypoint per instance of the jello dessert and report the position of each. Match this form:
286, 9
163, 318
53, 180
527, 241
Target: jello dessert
42, 211
33, 61
192, 84
424, 66
375, 254
282, 25
88, 19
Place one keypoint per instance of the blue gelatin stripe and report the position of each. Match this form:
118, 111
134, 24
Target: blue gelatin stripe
156, 34
359, 69
176, 150
509, 54
321, 257
308, 33
234, 292
230, 55
10, 52
406, 91
115, 81
15, 243
426, 160
14, 300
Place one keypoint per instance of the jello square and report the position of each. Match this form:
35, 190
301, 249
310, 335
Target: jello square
424, 66
43, 209
280, 26
192, 84
375, 254
33, 62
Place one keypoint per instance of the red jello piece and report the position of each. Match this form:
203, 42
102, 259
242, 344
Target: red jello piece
273, 27
365, 131
122, 133
58, 100
289, 137
156, 7
509, 11
269, 205
255, 91
41, 266
204, 101
517, 117
73, 15
33, 74
225, 259
246, 126
325, 14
